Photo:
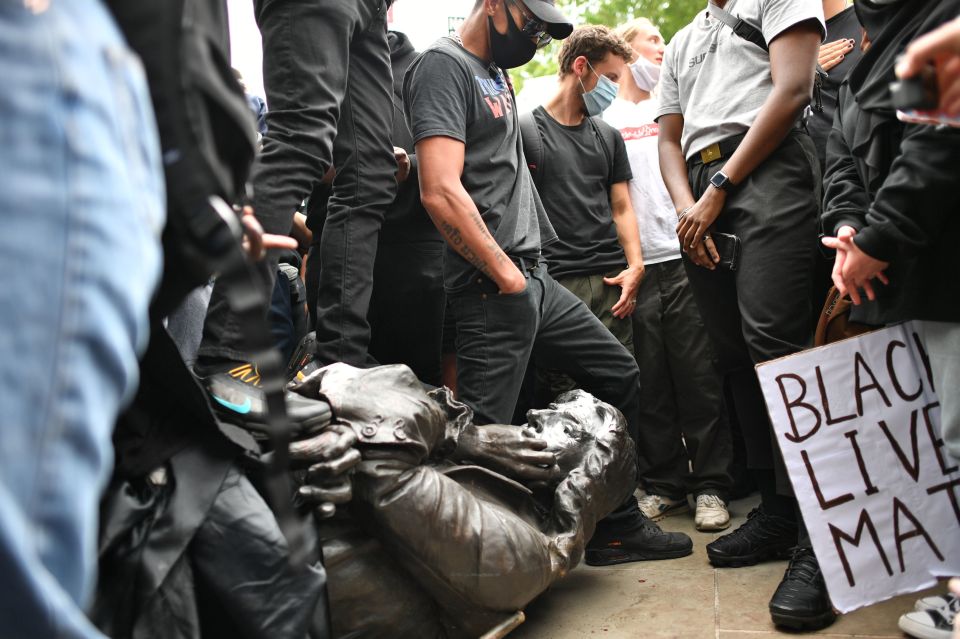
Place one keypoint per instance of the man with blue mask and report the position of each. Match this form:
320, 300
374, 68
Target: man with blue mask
507, 308
580, 167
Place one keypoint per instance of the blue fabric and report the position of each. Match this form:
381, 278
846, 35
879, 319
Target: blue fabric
81, 208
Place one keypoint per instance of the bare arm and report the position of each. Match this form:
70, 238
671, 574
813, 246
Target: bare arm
793, 59
673, 166
793, 56
628, 234
440, 164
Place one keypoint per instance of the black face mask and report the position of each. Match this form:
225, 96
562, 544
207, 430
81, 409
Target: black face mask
512, 49
874, 14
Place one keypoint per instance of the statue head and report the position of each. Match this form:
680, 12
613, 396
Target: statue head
575, 423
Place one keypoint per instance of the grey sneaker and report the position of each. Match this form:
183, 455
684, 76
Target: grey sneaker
656, 507
932, 603
933, 623
711, 514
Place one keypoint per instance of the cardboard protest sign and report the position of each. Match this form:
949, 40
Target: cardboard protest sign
858, 423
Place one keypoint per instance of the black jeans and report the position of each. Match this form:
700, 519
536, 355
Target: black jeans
328, 81
497, 335
761, 311
406, 311
685, 439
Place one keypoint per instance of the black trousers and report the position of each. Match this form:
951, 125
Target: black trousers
498, 335
762, 310
685, 439
328, 81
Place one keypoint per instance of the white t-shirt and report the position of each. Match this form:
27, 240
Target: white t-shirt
656, 215
719, 81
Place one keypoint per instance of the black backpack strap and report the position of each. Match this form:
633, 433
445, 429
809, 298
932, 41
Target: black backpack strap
532, 146
609, 144
741, 27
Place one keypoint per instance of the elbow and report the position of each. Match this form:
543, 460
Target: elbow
433, 199
796, 97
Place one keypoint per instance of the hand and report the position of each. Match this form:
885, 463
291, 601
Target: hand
629, 281
941, 48
301, 233
403, 164
853, 269
515, 282
695, 224
513, 451
256, 242
328, 457
832, 53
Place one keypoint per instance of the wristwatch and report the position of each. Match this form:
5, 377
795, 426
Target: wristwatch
722, 182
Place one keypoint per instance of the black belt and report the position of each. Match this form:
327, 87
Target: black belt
725, 148
717, 151
529, 264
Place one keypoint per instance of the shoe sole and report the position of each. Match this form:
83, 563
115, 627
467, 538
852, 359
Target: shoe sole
713, 527
613, 556
803, 623
741, 561
259, 427
921, 631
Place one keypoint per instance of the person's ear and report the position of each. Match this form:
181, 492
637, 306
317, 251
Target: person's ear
579, 65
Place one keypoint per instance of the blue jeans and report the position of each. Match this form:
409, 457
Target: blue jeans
81, 209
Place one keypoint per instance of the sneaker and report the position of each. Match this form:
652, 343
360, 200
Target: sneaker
238, 399
656, 507
643, 542
935, 623
932, 603
711, 514
801, 601
760, 538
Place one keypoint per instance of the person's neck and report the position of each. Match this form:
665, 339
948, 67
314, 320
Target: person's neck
719, 3
566, 105
833, 7
474, 36
630, 91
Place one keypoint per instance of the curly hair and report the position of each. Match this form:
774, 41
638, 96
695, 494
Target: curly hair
594, 43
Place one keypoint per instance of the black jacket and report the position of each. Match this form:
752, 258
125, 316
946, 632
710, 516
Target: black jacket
896, 183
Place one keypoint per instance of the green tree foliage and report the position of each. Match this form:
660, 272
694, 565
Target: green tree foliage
669, 15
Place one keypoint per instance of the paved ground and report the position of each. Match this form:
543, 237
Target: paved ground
684, 599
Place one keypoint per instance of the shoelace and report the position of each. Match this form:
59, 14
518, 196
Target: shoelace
710, 501
803, 565
951, 609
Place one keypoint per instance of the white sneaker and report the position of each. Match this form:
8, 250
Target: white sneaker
656, 507
711, 514
938, 601
929, 624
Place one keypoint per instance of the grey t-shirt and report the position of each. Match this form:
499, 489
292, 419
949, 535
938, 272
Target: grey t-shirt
719, 81
450, 92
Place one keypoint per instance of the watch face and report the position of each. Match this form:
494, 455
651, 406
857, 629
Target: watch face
719, 180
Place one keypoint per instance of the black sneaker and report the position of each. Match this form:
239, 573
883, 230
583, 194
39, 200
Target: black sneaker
238, 399
760, 538
801, 601
644, 542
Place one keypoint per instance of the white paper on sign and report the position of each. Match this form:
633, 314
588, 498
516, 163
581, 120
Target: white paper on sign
858, 423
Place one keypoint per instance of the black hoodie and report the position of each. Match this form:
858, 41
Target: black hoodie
896, 183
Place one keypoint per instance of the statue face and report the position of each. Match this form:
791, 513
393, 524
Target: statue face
573, 424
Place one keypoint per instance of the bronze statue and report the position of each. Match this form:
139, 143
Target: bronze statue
450, 526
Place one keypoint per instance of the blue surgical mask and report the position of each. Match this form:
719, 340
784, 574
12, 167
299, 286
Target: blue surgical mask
602, 95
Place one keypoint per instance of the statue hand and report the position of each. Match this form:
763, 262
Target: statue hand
511, 450
329, 457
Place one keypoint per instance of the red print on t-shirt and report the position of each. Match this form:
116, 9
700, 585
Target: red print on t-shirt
640, 132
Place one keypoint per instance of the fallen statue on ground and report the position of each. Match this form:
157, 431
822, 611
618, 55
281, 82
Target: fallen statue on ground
452, 526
